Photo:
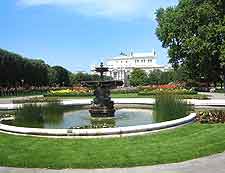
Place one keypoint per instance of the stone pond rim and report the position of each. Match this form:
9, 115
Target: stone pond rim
102, 106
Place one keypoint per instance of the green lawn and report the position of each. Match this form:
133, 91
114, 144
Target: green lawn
129, 95
176, 145
135, 95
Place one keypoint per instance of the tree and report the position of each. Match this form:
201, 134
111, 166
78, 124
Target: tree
75, 79
157, 77
194, 32
154, 77
52, 76
138, 77
15, 68
167, 77
61, 76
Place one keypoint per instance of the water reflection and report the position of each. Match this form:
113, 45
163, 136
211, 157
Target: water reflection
169, 107
58, 116
30, 114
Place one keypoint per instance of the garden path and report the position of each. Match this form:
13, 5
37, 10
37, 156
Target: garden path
214, 95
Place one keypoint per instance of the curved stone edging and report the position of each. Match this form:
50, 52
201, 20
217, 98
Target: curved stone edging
98, 132
102, 131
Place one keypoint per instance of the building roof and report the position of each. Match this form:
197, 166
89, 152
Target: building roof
135, 55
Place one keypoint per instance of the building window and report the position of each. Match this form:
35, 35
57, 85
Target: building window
149, 60
115, 75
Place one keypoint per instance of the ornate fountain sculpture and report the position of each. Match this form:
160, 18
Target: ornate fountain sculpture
102, 105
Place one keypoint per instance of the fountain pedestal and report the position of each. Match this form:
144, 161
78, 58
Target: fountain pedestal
102, 105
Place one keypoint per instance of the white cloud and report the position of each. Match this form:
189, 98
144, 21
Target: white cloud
129, 9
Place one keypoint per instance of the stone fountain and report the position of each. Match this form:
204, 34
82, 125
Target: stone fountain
102, 106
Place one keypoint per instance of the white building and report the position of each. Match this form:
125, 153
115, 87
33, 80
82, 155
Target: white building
121, 66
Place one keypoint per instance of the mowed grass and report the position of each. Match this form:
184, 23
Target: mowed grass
171, 146
134, 95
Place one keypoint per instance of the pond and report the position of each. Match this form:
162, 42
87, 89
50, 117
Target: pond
56, 116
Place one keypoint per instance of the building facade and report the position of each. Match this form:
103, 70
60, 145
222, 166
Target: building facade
120, 67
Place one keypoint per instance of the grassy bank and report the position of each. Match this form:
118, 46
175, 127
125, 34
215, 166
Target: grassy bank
130, 95
176, 145
136, 95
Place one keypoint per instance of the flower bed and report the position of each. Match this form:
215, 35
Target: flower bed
167, 86
76, 91
126, 90
211, 117
158, 91
2, 116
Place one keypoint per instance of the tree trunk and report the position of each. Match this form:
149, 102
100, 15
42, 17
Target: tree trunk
215, 84
224, 81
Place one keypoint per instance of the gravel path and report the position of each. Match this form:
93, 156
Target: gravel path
214, 95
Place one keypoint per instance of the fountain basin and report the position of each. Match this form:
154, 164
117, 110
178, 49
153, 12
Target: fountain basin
135, 130
117, 131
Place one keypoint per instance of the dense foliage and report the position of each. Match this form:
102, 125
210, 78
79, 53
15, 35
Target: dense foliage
15, 70
194, 33
76, 78
18, 73
138, 77
156, 77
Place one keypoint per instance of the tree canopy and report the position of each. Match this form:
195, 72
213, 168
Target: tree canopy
15, 69
61, 76
138, 77
156, 77
194, 33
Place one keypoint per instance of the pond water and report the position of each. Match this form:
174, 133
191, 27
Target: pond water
56, 116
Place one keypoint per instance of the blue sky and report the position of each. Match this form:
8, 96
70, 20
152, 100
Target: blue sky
79, 33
